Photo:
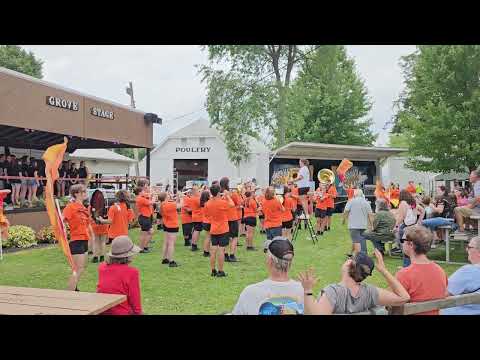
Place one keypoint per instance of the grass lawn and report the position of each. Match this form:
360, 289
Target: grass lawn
189, 289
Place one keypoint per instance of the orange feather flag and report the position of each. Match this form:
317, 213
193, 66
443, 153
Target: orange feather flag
53, 157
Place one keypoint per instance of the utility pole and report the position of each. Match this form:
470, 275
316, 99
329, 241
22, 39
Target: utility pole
135, 150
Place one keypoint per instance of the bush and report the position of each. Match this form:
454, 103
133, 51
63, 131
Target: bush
46, 235
38, 203
21, 236
63, 201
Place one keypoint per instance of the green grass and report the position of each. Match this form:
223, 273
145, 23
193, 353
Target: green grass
189, 289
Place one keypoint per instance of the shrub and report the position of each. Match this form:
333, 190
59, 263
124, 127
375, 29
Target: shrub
46, 235
21, 236
38, 203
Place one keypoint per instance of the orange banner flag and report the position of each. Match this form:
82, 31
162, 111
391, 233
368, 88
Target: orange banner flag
344, 166
53, 157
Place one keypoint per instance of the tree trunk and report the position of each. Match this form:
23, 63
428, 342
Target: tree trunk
281, 119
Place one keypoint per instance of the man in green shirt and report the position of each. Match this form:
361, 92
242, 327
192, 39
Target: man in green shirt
383, 225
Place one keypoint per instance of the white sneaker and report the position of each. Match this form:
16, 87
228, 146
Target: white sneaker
301, 216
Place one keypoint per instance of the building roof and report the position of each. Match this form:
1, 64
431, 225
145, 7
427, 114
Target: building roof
201, 128
335, 151
99, 154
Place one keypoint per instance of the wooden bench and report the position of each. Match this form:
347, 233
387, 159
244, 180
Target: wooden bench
420, 307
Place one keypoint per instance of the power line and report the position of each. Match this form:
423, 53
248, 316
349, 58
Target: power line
250, 86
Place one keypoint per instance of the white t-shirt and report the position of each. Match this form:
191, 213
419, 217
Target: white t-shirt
271, 298
305, 173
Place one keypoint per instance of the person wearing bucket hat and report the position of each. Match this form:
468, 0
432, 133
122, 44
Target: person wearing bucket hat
351, 295
277, 295
116, 276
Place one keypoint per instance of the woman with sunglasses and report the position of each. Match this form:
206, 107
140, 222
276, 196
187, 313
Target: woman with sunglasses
351, 295
78, 219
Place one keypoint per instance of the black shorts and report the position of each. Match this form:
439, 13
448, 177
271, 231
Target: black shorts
320, 213
250, 221
233, 229
198, 226
187, 229
219, 240
287, 224
303, 191
78, 247
329, 211
145, 223
206, 227
170, 230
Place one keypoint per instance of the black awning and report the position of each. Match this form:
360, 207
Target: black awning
16, 137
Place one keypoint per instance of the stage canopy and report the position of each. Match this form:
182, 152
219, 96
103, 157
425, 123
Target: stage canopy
334, 152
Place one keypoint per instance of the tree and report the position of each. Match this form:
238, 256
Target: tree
328, 102
249, 95
439, 109
15, 58
128, 152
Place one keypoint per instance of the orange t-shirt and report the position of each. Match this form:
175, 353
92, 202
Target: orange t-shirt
143, 206
197, 213
332, 194
206, 217
295, 196
169, 214
250, 209
184, 215
78, 219
233, 214
120, 216
288, 204
424, 282
350, 192
411, 189
321, 204
273, 213
217, 209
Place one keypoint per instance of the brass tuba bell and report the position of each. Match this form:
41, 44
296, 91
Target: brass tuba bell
326, 177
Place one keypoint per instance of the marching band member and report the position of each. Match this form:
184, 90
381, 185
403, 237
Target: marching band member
78, 219
287, 213
119, 215
217, 209
332, 194
261, 216
144, 205
303, 183
100, 232
321, 209
186, 217
197, 217
233, 220
168, 210
296, 199
272, 209
204, 199
250, 218
4, 224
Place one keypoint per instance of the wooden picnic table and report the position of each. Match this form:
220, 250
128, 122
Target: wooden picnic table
31, 301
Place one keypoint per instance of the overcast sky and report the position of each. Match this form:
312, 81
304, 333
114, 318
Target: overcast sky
166, 82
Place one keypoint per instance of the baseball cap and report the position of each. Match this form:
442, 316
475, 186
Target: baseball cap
279, 246
365, 263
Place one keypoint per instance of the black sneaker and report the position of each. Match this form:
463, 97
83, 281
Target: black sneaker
233, 258
214, 272
187, 243
145, 251
221, 274
165, 261
194, 247
227, 258
95, 259
102, 259
173, 264
318, 232
76, 289
251, 248
206, 254
90, 253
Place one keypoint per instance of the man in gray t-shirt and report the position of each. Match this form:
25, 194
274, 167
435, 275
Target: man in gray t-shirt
277, 295
357, 211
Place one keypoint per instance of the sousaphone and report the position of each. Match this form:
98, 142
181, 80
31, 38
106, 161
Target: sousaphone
326, 177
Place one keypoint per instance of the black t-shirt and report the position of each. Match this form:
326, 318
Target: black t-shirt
24, 168
63, 172
13, 170
82, 173
72, 173
31, 170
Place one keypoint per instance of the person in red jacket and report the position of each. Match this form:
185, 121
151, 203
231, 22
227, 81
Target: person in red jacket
116, 276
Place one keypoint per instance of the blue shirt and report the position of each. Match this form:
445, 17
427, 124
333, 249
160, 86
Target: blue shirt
464, 280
